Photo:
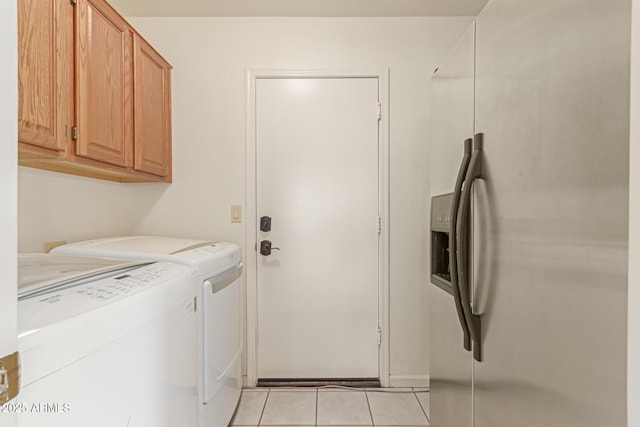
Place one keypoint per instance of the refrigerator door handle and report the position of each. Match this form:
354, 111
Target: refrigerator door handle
463, 220
453, 242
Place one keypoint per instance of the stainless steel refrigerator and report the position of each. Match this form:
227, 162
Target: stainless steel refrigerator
529, 219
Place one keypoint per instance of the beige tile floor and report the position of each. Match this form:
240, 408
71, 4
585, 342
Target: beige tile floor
332, 407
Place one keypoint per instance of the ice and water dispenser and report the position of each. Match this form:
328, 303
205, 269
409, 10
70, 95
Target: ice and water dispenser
440, 226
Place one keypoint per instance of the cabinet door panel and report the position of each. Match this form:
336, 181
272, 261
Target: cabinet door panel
152, 111
104, 96
38, 74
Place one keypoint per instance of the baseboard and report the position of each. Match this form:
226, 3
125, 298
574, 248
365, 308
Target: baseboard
409, 381
245, 382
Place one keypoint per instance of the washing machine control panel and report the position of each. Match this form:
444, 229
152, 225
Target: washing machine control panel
64, 303
128, 283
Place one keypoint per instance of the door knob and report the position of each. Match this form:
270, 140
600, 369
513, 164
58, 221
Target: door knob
265, 223
266, 248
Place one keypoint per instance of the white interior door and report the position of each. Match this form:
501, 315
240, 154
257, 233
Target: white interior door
317, 178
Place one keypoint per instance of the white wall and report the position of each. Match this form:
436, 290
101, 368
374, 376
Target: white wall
633, 357
210, 56
8, 185
54, 206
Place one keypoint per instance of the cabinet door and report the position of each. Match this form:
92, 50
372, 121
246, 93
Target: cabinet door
152, 111
104, 104
45, 43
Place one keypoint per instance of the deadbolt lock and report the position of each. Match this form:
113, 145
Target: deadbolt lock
265, 223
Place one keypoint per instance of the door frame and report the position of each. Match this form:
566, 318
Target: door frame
9, 191
251, 238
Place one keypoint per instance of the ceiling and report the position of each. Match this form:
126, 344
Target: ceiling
309, 8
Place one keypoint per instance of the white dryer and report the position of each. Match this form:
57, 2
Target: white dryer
106, 343
218, 266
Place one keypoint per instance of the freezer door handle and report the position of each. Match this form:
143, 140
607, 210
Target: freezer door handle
463, 220
453, 227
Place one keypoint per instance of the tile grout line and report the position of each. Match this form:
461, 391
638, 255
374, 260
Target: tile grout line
366, 395
315, 422
424, 411
264, 406
426, 414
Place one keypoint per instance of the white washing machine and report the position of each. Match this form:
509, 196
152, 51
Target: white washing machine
106, 343
218, 267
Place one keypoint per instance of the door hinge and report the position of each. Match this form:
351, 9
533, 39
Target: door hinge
9, 377
73, 2
379, 110
379, 227
379, 335
74, 132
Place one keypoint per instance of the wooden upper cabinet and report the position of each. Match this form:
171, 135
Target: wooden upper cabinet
152, 95
104, 90
94, 96
45, 75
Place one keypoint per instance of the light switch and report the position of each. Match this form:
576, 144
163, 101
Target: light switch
236, 213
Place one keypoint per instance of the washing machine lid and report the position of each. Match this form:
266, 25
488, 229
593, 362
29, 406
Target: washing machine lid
205, 257
43, 273
138, 244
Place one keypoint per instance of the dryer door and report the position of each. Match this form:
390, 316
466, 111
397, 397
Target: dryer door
221, 336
